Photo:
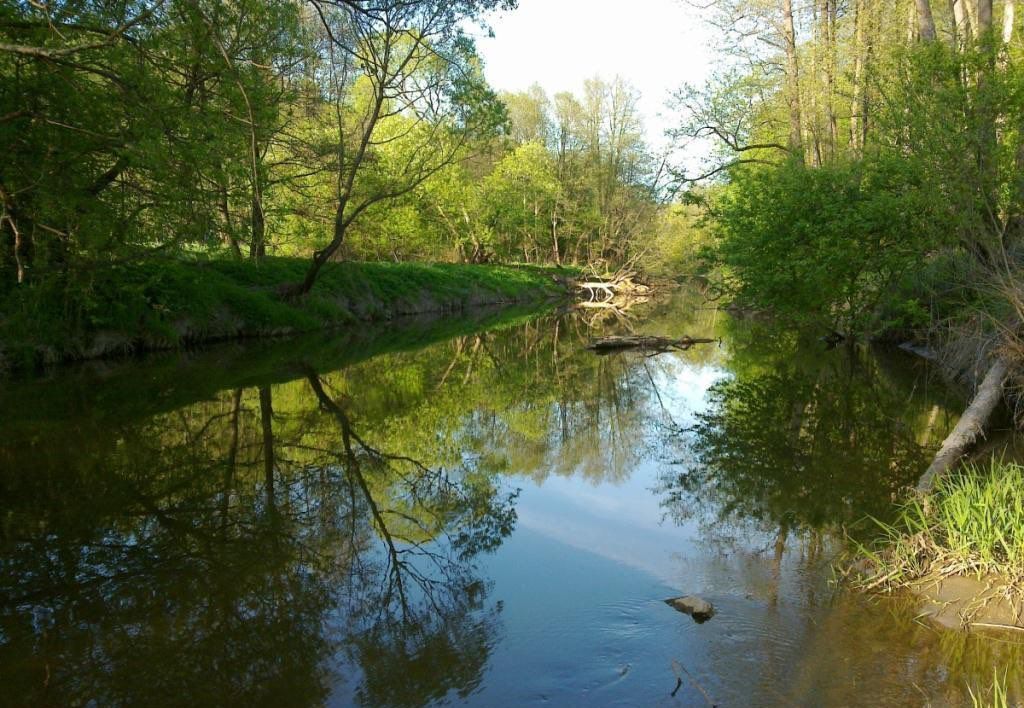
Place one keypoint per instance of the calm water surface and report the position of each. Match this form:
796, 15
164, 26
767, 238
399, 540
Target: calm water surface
473, 512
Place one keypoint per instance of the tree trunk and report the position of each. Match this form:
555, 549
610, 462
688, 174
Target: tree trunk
988, 113
227, 222
266, 422
1015, 221
970, 17
321, 257
830, 76
554, 239
347, 174
231, 461
645, 342
956, 28
258, 246
858, 106
814, 123
792, 80
970, 427
925, 23
984, 17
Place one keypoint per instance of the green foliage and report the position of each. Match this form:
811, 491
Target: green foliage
872, 176
973, 522
134, 133
519, 198
141, 135
996, 695
824, 244
957, 115
678, 242
171, 302
568, 187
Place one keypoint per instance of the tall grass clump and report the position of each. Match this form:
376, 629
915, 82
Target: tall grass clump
997, 695
971, 524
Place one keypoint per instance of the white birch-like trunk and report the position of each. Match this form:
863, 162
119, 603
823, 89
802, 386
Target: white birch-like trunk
970, 427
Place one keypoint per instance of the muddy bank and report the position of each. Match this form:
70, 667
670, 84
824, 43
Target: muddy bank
970, 602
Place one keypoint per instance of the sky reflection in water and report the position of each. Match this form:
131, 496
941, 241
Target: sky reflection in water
475, 512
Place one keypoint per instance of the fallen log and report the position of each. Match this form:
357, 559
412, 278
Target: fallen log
970, 427
645, 342
612, 286
607, 289
620, 305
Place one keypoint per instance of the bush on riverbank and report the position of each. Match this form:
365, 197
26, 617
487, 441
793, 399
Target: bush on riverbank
164, 304
971, 524
826, 246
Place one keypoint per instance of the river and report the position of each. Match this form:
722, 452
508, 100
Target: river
474, 511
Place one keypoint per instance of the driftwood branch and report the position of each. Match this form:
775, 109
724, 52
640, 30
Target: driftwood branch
619, 290
970, 427
645, 343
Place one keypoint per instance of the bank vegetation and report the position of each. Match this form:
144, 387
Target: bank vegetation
181, 140
866, 176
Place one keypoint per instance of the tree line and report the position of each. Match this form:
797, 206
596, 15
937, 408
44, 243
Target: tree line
867, 157
323, 129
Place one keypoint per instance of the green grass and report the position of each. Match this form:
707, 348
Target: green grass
996, 696
169, 302
972, 524
166, 381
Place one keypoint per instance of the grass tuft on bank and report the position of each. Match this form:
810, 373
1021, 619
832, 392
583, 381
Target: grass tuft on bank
972, 524
995, 695
169, 303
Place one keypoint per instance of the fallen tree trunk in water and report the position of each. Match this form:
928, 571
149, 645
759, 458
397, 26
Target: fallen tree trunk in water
616, 289
647, 343
970, 427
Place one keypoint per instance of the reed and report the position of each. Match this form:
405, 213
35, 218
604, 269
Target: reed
971, 524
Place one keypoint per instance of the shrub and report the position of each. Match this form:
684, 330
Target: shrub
826, 244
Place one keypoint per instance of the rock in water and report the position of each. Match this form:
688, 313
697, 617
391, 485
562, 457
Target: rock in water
700, 609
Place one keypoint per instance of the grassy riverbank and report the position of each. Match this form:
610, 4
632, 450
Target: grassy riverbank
962, 545
167, 304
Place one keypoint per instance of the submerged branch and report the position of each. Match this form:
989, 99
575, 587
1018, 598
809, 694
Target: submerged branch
645, 343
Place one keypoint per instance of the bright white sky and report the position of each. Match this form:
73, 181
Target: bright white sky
656, 45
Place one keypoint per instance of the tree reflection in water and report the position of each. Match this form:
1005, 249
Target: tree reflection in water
799, 438
268, 531
415, 627
178, 542
227, 552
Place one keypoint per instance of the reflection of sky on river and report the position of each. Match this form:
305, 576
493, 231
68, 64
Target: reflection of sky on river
618, 511
623, 521
582, 580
